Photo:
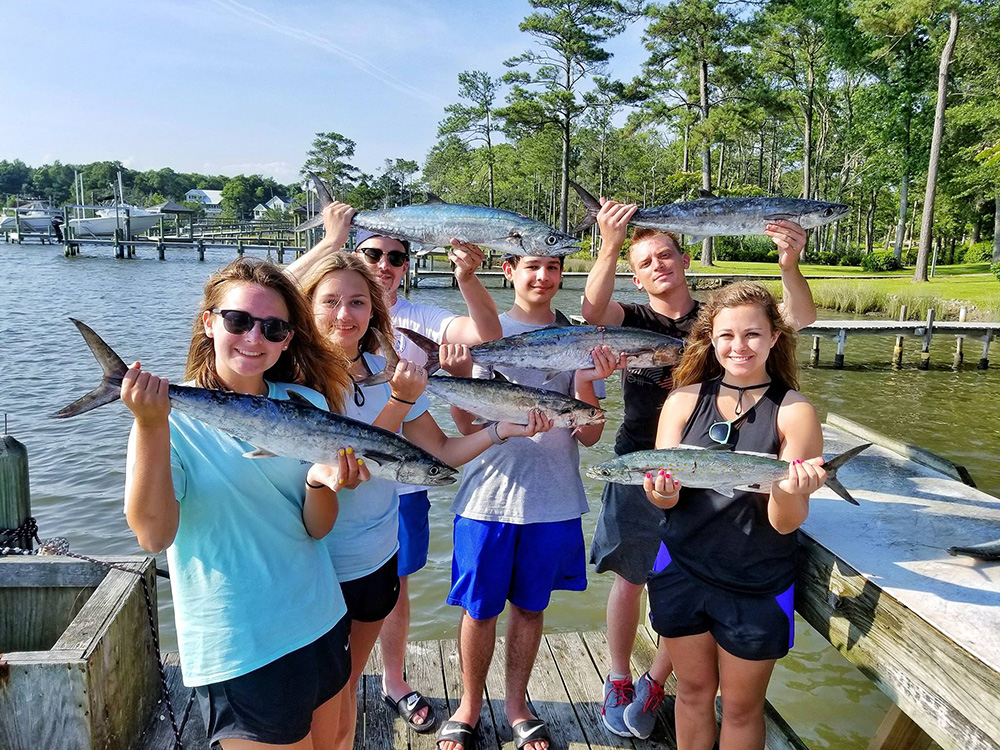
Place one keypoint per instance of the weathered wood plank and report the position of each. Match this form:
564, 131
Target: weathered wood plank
493, 724
36, 571
35, 618
424, 672
642, 657
898, 732
158, 734
33, 705
550, 701
378, 729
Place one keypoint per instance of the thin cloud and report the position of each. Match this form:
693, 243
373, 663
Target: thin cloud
255, 16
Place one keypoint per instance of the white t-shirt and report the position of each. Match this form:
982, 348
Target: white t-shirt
426, 320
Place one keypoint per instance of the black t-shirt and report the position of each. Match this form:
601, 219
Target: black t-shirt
645, 390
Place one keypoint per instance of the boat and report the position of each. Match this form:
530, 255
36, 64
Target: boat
113, 217
35, 216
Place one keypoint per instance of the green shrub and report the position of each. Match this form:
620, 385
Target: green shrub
981, 252
995, 270
851, 258
910, 256
880, 261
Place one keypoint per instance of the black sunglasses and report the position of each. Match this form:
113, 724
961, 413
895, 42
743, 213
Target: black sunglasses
239, 322
720, 431
373, 255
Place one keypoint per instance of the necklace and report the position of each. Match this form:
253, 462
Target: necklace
740, 390
355, 359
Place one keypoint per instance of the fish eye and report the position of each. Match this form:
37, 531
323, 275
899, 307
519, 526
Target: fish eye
434, 471
551, 240
828, 212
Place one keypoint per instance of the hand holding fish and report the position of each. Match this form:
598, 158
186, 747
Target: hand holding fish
349, 472
408, 381
146, 396
613, 219
537, 422
790, 239
466, 257
804, 476
337, 224
605, 363
662, 490
456, 360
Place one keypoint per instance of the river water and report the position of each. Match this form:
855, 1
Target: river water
144, 309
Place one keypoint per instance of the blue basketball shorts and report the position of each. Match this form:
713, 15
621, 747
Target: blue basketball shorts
496, 562
414, 532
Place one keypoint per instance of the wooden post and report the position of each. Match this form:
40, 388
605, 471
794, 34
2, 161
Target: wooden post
960, 339
160, 249
897, 352
838, 358
201, 249
281, 252
814, 354
15, 499
899, 732
984, 361
925, 349
937, 246
239, 248
119, 250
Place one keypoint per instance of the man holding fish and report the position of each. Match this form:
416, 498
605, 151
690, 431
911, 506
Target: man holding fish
626, 539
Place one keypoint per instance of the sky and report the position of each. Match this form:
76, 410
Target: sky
243, 86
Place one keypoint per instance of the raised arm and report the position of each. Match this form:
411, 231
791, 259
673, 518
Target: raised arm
598, 307
336, 227
482, 323
797, 306
802, 446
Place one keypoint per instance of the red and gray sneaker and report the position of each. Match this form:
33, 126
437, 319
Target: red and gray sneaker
640, 715
618, 694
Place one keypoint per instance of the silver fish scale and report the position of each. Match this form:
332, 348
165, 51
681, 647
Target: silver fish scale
707, 469
569, 348
296, 431
509, 402
733, 216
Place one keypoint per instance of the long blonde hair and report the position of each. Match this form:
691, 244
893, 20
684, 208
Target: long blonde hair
381, 320
309, 359
700, 363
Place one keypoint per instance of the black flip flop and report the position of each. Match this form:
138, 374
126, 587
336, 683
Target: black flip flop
457, 731
408, 705
530, 730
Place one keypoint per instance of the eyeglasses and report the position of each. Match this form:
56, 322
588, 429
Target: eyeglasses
720, 431
373, 255
239, 322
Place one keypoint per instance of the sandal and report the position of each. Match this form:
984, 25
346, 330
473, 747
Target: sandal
457, 731
530, 730
410, 704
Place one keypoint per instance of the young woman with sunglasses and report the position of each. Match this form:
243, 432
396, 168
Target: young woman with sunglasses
262, 627
349, 306
721, 591
388, 259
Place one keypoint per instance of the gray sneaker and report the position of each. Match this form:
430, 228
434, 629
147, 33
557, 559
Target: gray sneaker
618, 694
640, 715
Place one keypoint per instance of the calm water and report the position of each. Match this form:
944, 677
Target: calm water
144, 308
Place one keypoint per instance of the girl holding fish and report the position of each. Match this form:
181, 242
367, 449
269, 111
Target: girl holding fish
349, 307
721, 593
262, 626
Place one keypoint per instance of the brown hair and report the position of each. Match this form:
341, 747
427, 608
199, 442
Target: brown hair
515, 259
640, 234
699, 362
381, 320
309, 360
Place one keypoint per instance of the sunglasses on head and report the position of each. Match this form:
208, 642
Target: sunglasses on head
373, 255
239, 322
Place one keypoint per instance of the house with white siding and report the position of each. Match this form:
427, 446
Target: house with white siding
211, 200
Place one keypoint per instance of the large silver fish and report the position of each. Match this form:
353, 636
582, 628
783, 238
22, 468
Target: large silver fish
500, 401
716, 217
559, 349
719, 470
435, 223
293, 428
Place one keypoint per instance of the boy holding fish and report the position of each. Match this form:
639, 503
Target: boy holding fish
518, 534
626, 538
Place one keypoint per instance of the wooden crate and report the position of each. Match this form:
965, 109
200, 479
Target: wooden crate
78, 668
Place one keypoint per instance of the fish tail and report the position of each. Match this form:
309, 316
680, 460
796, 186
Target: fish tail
431, 349
836, 463
114, 370
593, 206
391, 359
325, 199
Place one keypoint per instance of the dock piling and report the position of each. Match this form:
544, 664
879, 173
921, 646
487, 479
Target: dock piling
925, 349
161, 249
814, 354
959, 354
281, 253
838, 358
201, 249
984, 361
15, 499
897, 351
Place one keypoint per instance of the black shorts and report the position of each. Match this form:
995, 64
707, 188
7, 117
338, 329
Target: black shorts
372, 597
628, 533
274, 704
747, 626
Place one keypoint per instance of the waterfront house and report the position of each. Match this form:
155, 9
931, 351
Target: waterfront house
211, 200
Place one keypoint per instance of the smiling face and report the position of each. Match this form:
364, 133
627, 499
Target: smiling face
743, 337
658, 264
535, 278
388, 275
242, 359
342, 305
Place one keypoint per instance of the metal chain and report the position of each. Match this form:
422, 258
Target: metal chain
59, 546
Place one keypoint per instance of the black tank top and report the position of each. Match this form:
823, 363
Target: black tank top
729, 542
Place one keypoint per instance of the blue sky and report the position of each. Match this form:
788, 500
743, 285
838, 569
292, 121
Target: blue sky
231, 86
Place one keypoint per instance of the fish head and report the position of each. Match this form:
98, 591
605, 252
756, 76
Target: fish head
667, 354
427, 473
819, 213
535, 238
583, 417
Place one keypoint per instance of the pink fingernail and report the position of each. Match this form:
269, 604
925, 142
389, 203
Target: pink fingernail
668, 476
662, 473
648, 475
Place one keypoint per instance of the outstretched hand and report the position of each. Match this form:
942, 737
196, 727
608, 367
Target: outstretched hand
337, 223
466, 257
804, 476
408, 380
613, 219
146, 396
790, 239
661, 490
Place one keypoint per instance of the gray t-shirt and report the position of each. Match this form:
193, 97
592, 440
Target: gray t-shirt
525, 480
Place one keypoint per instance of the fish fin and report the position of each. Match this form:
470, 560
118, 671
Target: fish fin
550, 376
593, 206
431, 349
499, 377
379, 457
481, 420
299, 400
704, 195
693, 239
719, 447
261, 452
434, 198
111, 383
391, 360
755, 487
419, 251
315, 221
780, 216
727, 491
836, 463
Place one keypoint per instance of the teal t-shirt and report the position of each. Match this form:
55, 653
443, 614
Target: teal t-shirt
366, 533
249, 584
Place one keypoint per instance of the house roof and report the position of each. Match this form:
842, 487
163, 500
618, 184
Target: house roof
170, 207
214, 196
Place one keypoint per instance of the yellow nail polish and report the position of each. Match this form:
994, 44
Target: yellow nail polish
341, 481
361, 462
341, 451
350, 450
